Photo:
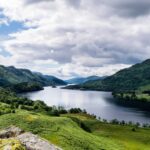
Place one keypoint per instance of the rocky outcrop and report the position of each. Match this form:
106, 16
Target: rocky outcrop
33, 142
16, 139
10, 132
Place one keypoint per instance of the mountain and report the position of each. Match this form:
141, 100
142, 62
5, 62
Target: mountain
133, 78
93, 78
78, 80
26, 80
82, 79
51, 80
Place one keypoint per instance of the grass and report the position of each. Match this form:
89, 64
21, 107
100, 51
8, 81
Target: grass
61, 131
5, 109
140, 93
139, 96
138, 140
67, 134
144, 96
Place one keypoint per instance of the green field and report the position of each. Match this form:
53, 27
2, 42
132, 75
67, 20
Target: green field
131, 140
66, 132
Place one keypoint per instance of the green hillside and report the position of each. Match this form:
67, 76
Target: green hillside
67, 134
23, 80
14, 76
129, 79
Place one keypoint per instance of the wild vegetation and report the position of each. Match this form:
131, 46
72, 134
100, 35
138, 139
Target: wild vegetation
6, 109
133, 96
136, 99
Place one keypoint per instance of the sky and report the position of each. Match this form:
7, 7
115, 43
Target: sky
71, 38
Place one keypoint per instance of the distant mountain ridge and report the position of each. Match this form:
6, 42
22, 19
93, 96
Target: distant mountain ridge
52, 80
13, 77
81, 80
130, 79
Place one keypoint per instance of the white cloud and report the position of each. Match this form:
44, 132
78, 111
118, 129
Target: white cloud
82, 37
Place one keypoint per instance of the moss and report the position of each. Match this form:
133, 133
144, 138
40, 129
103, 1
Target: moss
12, 143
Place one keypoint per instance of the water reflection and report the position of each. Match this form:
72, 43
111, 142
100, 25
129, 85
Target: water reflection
99, 103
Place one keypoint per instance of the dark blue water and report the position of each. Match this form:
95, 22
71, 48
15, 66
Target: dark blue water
99, 103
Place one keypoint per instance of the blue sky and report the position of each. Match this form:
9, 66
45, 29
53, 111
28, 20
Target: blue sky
9, 26
4, 53
74, 38
5, 30
12, 27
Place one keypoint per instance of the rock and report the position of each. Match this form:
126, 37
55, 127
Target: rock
13, 138
33, 142
10, 132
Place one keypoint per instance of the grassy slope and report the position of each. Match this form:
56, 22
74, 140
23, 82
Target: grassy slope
138, 140
65, 133
61, 131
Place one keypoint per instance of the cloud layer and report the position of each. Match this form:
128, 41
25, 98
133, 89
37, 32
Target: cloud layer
77, 37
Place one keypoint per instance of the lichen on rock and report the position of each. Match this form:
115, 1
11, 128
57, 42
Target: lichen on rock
11, 144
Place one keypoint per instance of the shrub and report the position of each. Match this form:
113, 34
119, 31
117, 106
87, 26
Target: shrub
13, 111
75, 110
133, 129
114, 121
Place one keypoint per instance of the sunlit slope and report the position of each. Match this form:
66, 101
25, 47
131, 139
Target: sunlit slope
61, 131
